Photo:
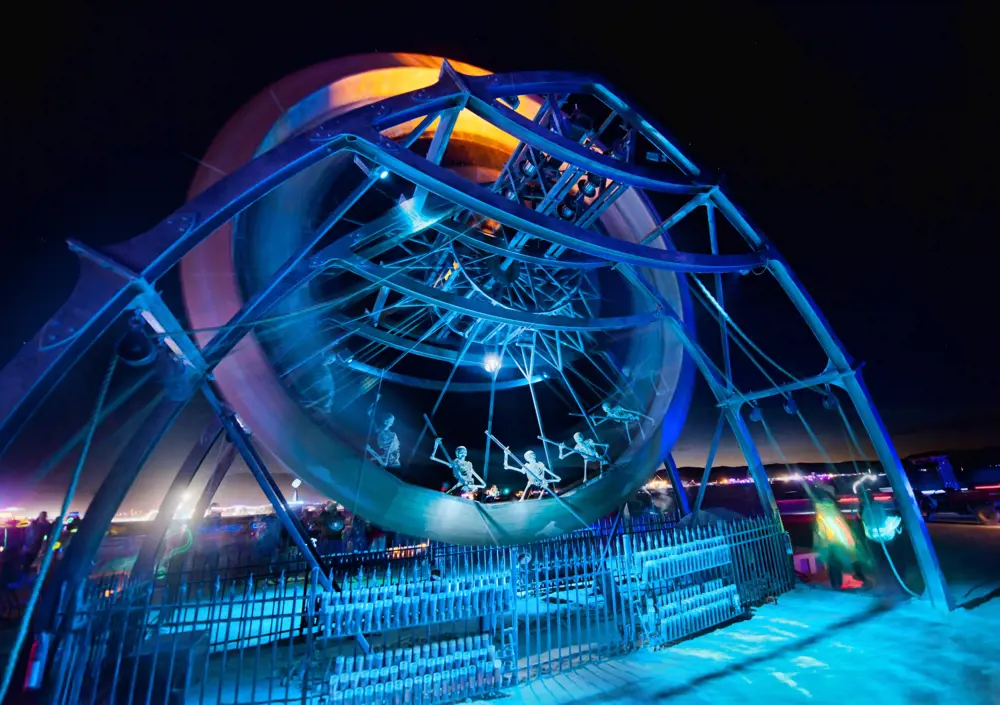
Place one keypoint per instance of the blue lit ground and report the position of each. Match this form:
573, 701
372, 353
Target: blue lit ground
814, 646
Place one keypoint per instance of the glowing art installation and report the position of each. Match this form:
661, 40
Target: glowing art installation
478, 250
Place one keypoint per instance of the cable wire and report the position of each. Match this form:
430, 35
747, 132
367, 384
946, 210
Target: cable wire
56, 530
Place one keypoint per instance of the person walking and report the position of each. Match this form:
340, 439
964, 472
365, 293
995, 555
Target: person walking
834, 539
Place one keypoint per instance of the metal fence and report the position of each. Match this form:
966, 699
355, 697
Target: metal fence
437, 623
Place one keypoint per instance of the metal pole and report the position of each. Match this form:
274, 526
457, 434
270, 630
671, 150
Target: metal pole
709, 462
679, 492
143, 567
226, 457
241, 439
905, 501
76, 563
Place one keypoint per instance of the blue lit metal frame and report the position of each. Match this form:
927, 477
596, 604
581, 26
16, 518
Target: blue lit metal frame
106, 290
109, 285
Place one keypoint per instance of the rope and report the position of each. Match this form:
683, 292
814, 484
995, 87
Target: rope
896, 573
43, 570
739, 331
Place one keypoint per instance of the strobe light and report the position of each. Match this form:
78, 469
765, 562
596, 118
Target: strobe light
491, 363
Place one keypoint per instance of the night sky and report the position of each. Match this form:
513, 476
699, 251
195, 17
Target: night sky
857, 138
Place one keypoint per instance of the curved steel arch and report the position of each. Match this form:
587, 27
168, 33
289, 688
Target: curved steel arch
451, 187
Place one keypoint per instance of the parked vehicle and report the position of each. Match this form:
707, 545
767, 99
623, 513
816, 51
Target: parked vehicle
983, 505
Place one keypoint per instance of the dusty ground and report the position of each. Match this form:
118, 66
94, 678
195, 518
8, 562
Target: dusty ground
814, 646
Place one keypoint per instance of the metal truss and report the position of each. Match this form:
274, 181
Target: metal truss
453, 271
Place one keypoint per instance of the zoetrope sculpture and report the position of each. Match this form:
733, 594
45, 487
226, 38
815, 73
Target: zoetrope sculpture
420, 222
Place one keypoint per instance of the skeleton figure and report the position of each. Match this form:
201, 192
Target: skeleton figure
326, 385
538, 475
388, 442
587, 448
461, 468
624, 416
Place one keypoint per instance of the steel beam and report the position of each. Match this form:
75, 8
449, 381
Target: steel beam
98, 299
240, 438
675, 480
76, 564
145, 563
225, 460
712, 449
905, 502
829, 376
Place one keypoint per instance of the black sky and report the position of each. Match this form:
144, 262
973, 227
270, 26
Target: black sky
858, 138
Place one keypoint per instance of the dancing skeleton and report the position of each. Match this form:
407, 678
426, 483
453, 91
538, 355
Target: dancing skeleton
461, 468
538, 475
587, 448
624, 416
388, 442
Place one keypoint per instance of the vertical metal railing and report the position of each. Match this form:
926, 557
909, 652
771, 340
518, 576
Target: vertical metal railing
445, 622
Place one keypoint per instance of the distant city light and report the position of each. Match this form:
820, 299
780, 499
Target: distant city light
492, 363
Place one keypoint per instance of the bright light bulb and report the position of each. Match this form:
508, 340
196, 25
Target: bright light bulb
384, 174
296, 482
491, 363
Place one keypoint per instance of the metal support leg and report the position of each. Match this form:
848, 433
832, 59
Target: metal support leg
145, 563
76, 564
709, 462
241, 440
720, 388
679, 492
905, 501
222, 465
732, 415
902, 492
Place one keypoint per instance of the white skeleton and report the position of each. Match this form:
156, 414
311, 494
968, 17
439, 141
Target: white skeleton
324, 402
587, 448
462, 469
388, 442
538, 475
624, 416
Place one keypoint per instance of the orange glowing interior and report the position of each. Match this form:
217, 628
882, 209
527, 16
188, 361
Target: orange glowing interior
374, 85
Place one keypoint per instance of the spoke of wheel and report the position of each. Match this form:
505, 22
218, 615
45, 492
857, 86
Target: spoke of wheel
489, 419
427, 334
593, 387
325, 348
614, 384
579, 405
530, 364
470, 339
